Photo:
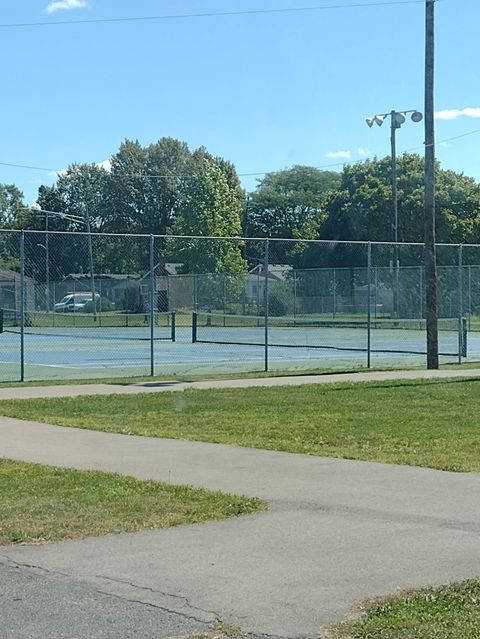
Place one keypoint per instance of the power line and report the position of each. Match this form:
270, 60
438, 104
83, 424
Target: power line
213, 14
253, 174
153, 176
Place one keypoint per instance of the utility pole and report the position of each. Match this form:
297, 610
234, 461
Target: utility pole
430, 256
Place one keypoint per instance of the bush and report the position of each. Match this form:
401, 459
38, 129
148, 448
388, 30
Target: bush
102, 305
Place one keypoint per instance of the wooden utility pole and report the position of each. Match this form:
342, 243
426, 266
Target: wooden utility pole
430, 256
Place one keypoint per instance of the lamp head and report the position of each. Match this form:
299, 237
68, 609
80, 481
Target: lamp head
369, 121
398, 120
379, 119
417, 116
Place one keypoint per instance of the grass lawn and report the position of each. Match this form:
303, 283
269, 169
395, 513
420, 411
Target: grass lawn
420, 423
43, 503
449, 612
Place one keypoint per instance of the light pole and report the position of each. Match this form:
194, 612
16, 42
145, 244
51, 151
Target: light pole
77, 219
397, 118
47, 274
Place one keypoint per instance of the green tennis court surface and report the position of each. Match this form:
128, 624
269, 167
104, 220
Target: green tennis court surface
63, 346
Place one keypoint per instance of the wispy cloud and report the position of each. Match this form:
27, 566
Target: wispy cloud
65, 5
454, 114
339, 155
363, 152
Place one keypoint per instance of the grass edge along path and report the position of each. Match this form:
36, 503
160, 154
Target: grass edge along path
447, 612
45, 504
430, 423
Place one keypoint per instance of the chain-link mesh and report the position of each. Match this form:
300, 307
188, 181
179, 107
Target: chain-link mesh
96, 305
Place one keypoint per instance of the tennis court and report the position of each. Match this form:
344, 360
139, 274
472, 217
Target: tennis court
210, 343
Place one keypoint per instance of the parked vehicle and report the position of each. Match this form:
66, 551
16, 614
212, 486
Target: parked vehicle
74, 302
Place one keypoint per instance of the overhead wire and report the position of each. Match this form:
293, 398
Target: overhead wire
251, 174
210, 14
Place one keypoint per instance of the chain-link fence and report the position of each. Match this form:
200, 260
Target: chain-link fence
79, 305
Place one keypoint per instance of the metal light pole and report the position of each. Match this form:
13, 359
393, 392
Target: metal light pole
90, 257
77, 219
430, 255
397, 118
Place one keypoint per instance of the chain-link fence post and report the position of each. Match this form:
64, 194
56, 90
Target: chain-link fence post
469, 297
334, 292
152, 305
294, 294
22, 306
420, 270
369, 303
461, 346
266, 267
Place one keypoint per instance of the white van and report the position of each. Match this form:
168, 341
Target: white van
74, 302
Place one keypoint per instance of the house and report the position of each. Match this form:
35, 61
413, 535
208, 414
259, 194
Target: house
10, 291
255, 286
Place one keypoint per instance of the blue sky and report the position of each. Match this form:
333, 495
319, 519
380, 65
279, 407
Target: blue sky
264, 90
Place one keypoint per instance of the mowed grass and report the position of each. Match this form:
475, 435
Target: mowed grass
43, 504
420, 423
449, 612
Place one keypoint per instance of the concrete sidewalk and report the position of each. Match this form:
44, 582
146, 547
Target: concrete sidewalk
337, 531
75, 390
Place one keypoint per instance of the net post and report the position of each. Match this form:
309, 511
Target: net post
460, 304
22, 306
266, 265
174, 322
152, 310
369, 306
194, 326
334, 292
464, 336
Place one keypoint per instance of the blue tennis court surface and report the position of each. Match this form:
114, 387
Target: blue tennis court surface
62, 353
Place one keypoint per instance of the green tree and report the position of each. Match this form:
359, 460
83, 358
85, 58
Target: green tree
211, 207
288, 204
362, 208
12, 207
146, 186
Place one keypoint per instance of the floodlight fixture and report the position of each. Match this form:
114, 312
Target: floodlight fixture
417, 117
369, 122
379, 119
398, 119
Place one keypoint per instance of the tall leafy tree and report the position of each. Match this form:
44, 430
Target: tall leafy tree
211, 207
286, 203
362, 208
12, 209
146, 185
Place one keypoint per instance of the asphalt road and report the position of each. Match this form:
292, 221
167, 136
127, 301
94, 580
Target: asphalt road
337, 531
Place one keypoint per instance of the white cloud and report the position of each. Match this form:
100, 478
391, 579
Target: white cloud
57, 174
65, 5
363, 152
454, 114
106, 164
339, 155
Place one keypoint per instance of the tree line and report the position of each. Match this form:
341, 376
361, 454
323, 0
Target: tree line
166, 189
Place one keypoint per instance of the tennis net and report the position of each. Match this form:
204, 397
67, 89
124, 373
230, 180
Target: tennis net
381, 335
90, 326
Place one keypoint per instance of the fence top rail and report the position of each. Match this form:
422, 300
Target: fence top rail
236, 238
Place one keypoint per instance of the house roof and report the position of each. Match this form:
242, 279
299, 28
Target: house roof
275, 272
